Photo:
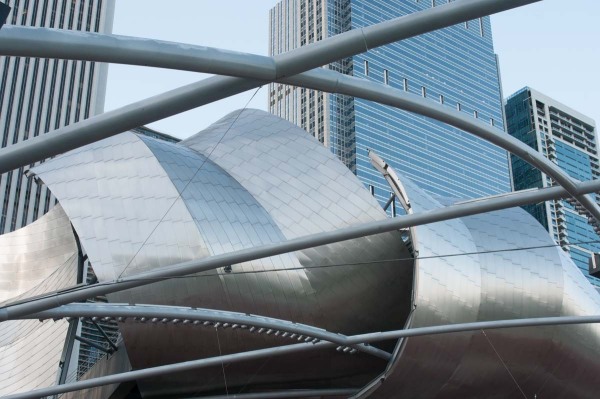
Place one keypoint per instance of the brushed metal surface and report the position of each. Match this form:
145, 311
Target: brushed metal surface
251, 179
138, 203
557, 362
34, 260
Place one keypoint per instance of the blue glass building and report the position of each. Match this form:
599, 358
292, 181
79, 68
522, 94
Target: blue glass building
455, 66
567, 138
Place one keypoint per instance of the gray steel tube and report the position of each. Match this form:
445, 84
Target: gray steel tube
168, 369
285, 350
26, 307
42, 42
295, 393
183, 313
216, 88
63, 44
333, 82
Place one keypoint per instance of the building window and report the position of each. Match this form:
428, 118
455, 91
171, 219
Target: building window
405, 84
423, 91
366, 68
386, 77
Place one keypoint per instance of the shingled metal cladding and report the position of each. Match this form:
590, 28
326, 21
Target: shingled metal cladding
138, 203
34, 260
251, 179
493, 281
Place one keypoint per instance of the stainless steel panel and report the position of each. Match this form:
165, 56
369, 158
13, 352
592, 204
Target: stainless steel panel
252, 179
34, 260
556, 362
197, 207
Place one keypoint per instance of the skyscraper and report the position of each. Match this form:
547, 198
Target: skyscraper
40, 95
455, 66
567, 138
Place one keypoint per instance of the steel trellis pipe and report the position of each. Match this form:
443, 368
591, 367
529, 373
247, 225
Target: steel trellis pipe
184, 313
43, 42
17, 310
294, 393
333, 82
54, 43
290, 349
191, 96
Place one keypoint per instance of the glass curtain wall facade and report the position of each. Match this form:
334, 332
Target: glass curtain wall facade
568, 139
455, 66
40, 95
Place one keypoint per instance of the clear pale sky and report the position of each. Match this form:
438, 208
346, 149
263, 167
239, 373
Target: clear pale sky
552, 46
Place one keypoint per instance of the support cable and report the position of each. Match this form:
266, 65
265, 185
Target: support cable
290, 349
504, 364
30, 306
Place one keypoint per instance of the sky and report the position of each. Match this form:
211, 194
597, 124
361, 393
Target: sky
552, 46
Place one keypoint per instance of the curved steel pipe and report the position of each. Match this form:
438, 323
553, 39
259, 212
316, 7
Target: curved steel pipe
219, 87
295, 393
285, 350
42, 42
194, 314
334, 82
13, 311
54, 43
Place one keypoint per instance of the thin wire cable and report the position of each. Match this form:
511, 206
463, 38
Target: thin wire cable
504, 364
371, 262
206, 158
222, 365
256, 372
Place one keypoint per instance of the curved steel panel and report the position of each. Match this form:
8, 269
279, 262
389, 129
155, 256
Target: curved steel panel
557, 362
446, 291
121, 203
29, 255
306, 190
34, 260
252, 179
103, 188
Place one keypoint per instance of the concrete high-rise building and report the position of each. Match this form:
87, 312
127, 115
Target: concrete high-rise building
567, 138
455, 66
40, 95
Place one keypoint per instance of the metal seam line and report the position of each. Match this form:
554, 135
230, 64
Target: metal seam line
137, 51
17, 310
289, 349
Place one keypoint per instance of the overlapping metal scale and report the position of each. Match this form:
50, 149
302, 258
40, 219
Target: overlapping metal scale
510, 268
34, 260
139, 203
251, 179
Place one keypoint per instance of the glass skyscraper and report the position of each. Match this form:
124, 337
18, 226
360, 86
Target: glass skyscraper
455, 66
40, 95
567, 138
